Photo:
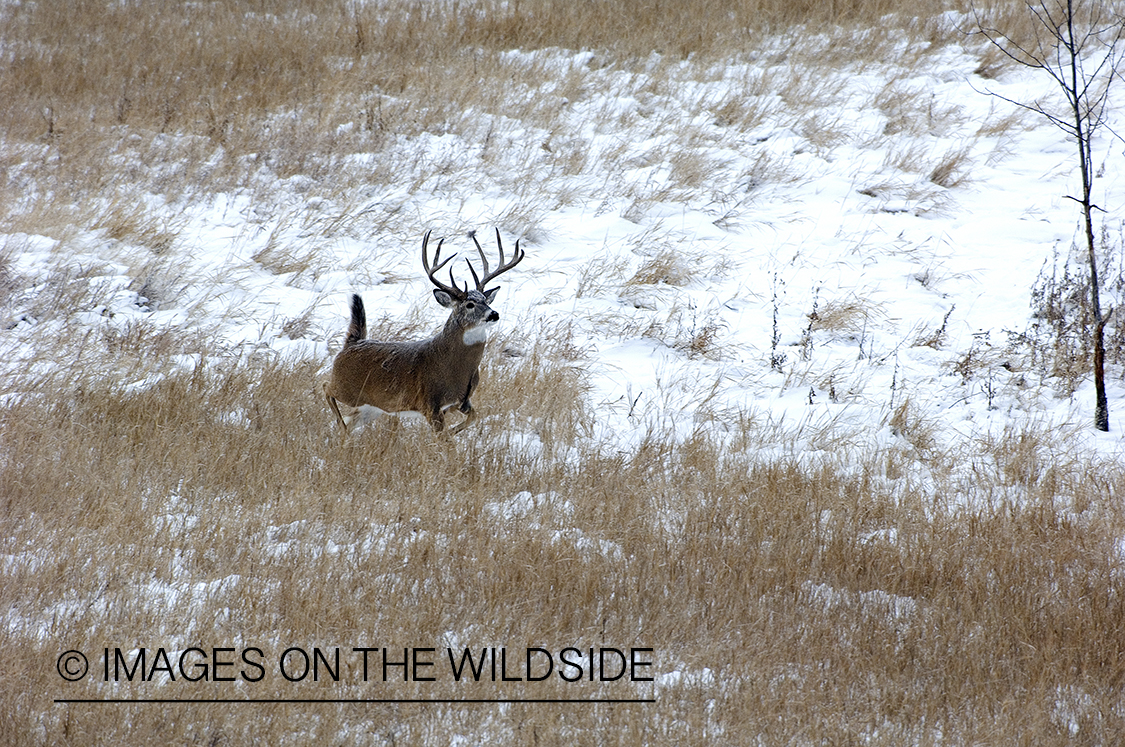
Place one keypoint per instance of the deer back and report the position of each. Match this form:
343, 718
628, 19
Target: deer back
418, 376
424, 376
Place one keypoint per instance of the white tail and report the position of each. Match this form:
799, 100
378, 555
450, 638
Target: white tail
423, 376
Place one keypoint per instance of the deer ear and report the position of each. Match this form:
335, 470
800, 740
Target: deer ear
490, 295
444, 298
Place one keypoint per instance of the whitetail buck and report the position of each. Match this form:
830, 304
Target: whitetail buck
426, 377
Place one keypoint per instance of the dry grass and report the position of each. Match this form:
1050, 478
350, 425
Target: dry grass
97, 94
845, 316
952, 168
163, 488
799, 603
667, 266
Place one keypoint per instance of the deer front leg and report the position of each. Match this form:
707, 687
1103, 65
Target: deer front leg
466, 406
470, 416
436, 416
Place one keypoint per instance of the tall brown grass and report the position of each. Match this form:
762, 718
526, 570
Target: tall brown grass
217, 507
191, 98
161, 489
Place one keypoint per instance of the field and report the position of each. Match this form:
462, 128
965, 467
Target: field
785, 433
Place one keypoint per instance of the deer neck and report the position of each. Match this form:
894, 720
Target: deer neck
473, 338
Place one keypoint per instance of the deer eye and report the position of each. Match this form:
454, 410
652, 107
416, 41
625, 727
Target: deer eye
470, 305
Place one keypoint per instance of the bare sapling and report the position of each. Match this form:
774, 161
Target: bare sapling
1078, 43
424, 377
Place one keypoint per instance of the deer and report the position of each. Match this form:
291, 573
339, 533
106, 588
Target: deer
422, 377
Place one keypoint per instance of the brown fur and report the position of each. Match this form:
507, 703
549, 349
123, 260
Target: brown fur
423, 376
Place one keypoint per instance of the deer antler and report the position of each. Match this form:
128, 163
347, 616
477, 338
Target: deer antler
451, 289
504, 267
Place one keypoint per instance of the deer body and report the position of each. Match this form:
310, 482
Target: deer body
426, 377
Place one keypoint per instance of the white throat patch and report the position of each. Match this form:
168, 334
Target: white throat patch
477, 334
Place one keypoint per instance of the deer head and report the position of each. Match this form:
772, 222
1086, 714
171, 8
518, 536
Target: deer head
470, 310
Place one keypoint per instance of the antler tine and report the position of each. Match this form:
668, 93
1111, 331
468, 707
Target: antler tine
474, 273
465, 290
483, 260
437, 265
483, 256
500, 245
490, 275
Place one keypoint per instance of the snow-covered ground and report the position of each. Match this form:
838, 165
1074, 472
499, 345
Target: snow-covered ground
852, 273
826, 206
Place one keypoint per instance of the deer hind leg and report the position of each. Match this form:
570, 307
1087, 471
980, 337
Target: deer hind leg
336, 409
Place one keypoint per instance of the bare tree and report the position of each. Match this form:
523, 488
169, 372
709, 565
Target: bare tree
1079, 44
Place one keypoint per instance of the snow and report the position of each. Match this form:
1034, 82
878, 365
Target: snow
779, 225
816, 208
850, 225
